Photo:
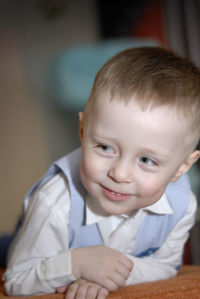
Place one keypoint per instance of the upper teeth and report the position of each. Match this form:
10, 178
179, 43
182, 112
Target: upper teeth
115, 193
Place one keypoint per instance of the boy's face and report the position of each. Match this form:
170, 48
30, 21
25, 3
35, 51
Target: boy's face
129, 156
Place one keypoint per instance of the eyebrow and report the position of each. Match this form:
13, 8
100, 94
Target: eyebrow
98, 134
95, 134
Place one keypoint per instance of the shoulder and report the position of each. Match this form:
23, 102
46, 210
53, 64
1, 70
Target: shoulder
71, 160
192, 206
53, 193
178, 194
54, 185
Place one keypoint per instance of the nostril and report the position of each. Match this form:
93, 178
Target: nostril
119, 176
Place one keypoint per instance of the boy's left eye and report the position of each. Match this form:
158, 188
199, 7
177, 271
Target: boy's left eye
147, 161
105, 148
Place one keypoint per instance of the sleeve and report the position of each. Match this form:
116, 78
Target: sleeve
40, 259
164, 263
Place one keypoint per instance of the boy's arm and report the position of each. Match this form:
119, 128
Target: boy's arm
40, 259
102, 265
165, 262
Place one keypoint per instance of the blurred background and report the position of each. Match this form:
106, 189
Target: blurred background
50, 51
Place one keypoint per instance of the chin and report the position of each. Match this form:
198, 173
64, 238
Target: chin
114, 210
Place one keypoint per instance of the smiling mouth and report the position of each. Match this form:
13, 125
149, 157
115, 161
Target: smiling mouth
115, 196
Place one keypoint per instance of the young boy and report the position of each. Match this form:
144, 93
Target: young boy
117, 211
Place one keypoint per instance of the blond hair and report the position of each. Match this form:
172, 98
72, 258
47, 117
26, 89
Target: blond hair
157, 76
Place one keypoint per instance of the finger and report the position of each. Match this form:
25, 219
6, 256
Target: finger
103, 293
61, 289
92, 292
110, 285
126, 262
117, 278
71, 291
81, 292
124, 271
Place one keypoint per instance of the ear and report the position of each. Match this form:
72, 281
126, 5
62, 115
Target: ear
81, 121
194, 156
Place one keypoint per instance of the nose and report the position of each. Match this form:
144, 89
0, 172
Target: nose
121, 172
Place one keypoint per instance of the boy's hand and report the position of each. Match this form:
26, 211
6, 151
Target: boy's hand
83, 289
101, 265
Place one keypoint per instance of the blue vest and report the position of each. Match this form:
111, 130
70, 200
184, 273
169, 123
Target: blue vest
154, 228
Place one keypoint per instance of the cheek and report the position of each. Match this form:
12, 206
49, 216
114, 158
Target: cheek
90, 168
152, 190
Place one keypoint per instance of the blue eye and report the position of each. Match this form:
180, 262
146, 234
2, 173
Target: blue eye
105, 148
147, 161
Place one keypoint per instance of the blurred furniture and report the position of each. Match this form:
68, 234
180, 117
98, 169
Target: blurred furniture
185, 285
72, 73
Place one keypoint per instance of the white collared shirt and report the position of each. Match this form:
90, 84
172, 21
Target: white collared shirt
120, 232
40, 258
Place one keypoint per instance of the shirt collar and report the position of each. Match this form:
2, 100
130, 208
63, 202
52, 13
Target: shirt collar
161, 207
95, 214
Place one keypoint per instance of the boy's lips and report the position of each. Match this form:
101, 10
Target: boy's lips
115, 196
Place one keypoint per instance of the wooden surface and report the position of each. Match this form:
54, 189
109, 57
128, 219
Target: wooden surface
185, 285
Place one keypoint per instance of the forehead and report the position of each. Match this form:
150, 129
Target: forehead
106, 104
162, 122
